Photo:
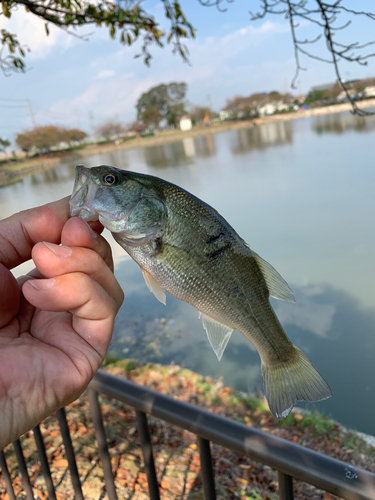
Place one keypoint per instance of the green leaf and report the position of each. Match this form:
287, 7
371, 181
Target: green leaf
6, 11
46, 28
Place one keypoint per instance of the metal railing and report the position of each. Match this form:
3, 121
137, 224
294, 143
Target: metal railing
289, 459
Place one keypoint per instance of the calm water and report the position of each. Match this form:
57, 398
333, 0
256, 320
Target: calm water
302, 195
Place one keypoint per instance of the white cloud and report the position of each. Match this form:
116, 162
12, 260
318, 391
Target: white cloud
212, 71
32, 34
308, 314
104, 74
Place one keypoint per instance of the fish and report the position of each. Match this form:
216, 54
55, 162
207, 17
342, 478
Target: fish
186, 248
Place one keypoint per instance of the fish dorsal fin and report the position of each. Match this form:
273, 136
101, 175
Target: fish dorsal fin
217, 333
154, 286
277, 286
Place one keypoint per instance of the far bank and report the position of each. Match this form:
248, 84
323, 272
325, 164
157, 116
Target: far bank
14, 171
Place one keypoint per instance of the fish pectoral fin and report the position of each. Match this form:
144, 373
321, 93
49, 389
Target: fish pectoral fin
277, 286
154, 286
217, 333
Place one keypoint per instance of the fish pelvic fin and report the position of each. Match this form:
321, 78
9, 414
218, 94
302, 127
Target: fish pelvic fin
154, 286
289, 382
277, 286
217, 333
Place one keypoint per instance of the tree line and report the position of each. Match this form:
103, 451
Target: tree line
49, 136
164, 105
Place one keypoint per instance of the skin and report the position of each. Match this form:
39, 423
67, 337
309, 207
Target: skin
55, 323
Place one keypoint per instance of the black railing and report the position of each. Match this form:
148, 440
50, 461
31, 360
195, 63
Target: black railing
290, 460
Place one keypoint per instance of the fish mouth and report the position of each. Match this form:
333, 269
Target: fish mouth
84, 191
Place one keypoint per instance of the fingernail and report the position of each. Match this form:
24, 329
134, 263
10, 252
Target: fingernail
59, 250
42, 285
92, 232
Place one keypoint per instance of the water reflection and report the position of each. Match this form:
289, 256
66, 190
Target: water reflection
167, 155
262, 137
325, 323
61, 174
205, 145
342, 123
180, 153
345, 356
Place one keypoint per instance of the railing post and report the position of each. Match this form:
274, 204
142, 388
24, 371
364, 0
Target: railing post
144, 436
23, 469
61, 415
285, 486
44, 463
102, 443
6, 475
206, 468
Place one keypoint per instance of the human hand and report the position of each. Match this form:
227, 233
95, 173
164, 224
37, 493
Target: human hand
55, 323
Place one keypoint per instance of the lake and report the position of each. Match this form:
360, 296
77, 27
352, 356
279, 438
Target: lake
301, 193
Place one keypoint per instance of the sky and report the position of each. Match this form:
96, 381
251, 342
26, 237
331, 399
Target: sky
76, 83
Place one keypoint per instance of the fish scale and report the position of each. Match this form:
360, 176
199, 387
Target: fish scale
185, 247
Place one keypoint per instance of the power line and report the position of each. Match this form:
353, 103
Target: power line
14, 100
13, 107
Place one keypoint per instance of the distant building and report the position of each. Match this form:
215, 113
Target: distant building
267, 109
185, 123
224, 114
343, 97
271, 107
369, 91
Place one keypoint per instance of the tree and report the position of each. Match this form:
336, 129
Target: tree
74, 135
110, 129
151, 117
4, 144
198, 113
174, 113
162, 102
126, 18
48, 136
136, 126
242, 107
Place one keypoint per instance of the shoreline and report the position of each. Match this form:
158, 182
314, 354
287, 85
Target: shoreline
15, 171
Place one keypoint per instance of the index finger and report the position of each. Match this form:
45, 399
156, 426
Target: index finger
21, 231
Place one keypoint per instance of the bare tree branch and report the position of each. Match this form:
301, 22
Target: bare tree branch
326, 17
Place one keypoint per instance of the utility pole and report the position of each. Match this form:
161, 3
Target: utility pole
31, 113
91, 117
77, 116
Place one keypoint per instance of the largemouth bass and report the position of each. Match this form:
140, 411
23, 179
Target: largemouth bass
183, 246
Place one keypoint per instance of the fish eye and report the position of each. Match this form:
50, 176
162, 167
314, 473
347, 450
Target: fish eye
110, 179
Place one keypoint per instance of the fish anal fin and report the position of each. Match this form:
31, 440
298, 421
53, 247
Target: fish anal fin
217, 333
277, 286
154, 286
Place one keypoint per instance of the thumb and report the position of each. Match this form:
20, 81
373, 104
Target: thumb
10, 296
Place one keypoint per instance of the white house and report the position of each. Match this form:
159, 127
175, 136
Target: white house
185, 123
369, 91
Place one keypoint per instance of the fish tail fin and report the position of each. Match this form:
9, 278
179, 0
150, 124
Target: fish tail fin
292, 381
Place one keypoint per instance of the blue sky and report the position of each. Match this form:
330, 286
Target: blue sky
69, 79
